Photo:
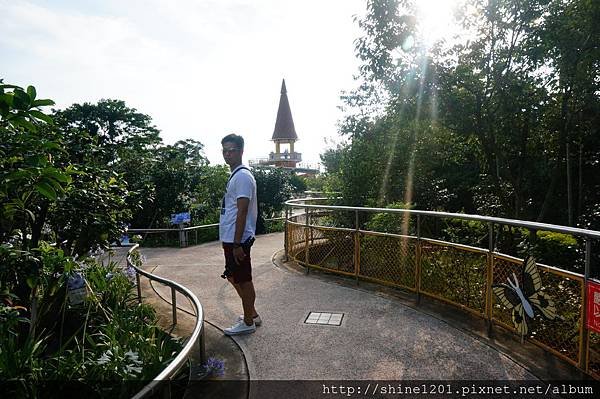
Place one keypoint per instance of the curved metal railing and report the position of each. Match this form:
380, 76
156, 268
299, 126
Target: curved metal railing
458, 274
196, 338
184, 233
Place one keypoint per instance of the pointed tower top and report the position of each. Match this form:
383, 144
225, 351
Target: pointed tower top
283, 89
284, 125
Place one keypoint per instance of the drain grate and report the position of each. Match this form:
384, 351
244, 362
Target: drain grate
330, 319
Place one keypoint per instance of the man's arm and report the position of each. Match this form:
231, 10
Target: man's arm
240, 225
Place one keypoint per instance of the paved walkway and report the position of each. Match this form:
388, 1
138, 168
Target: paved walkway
379, 338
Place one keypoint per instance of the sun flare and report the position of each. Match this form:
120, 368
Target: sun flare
435, 19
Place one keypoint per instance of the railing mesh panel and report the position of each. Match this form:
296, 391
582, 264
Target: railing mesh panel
332, 249
594, 354
389, 259
561, 334
296, 241
454, 274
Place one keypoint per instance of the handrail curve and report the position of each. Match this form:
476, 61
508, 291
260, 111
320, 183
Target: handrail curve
461, 275
464, 216
194, 338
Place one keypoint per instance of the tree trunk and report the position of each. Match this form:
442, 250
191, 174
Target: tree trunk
549, 193
516, 213
569, 188
38, 224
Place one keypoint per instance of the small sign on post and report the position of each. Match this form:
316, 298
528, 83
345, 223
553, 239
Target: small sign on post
180, 218
593, 306
76, 289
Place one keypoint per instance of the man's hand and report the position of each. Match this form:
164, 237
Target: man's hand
240, 225
238, 255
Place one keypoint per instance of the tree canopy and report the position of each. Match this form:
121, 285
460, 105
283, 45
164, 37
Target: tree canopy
501, 121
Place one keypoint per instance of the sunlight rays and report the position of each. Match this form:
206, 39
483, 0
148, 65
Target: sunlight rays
435, 19
386, 175
414, 132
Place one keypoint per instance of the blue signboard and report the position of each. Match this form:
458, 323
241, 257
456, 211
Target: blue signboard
179, 218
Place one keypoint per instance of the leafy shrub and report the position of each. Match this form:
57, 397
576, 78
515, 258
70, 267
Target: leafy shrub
160, 240
389, 222
274, 226
273, 188
468, 232
108, 337
19, 359
557, 249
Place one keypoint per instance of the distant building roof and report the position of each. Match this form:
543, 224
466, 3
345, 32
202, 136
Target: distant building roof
284, 125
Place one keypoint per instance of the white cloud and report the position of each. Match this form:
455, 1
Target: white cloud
200, 69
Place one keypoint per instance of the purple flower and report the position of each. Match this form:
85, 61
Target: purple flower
75, 281
129, 272
214, 367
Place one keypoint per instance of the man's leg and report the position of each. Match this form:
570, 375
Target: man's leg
248, 296
241, 279
236, 286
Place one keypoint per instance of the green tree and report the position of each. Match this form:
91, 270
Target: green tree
298, 183
208, 194
92, 212
173, 175
492, 124
30, 178
113, 137
119, 132
273, 188
31, 182
566, 48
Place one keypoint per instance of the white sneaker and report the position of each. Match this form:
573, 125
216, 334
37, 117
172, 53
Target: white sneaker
240, 328
257, 319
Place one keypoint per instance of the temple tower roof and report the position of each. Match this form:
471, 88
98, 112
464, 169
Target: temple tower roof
284, 125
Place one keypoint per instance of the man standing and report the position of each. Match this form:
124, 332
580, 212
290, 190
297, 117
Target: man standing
237, 226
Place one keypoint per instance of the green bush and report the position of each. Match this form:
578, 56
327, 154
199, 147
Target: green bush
20, 359
389, 222
108, 337
161, 240
557, 249
468, 232
274, 226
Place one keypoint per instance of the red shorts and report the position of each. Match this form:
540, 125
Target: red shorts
240, 273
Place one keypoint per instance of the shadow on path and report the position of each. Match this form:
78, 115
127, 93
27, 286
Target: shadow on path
380, 337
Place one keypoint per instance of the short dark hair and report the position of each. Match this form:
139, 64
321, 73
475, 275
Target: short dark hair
235, 139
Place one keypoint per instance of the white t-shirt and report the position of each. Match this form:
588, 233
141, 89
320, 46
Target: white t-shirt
241, 185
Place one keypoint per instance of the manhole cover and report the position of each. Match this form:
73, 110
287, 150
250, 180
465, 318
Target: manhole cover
330, 319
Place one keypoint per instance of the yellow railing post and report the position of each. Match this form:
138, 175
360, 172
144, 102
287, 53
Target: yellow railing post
489, 279
306, 228
312, 235
426, 253
356, 247
418, 261
584, 333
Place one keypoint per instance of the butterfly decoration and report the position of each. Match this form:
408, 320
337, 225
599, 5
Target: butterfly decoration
522, 300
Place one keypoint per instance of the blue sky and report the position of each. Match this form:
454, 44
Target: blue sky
200, 68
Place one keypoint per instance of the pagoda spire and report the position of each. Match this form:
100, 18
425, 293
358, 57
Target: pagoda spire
284, 125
